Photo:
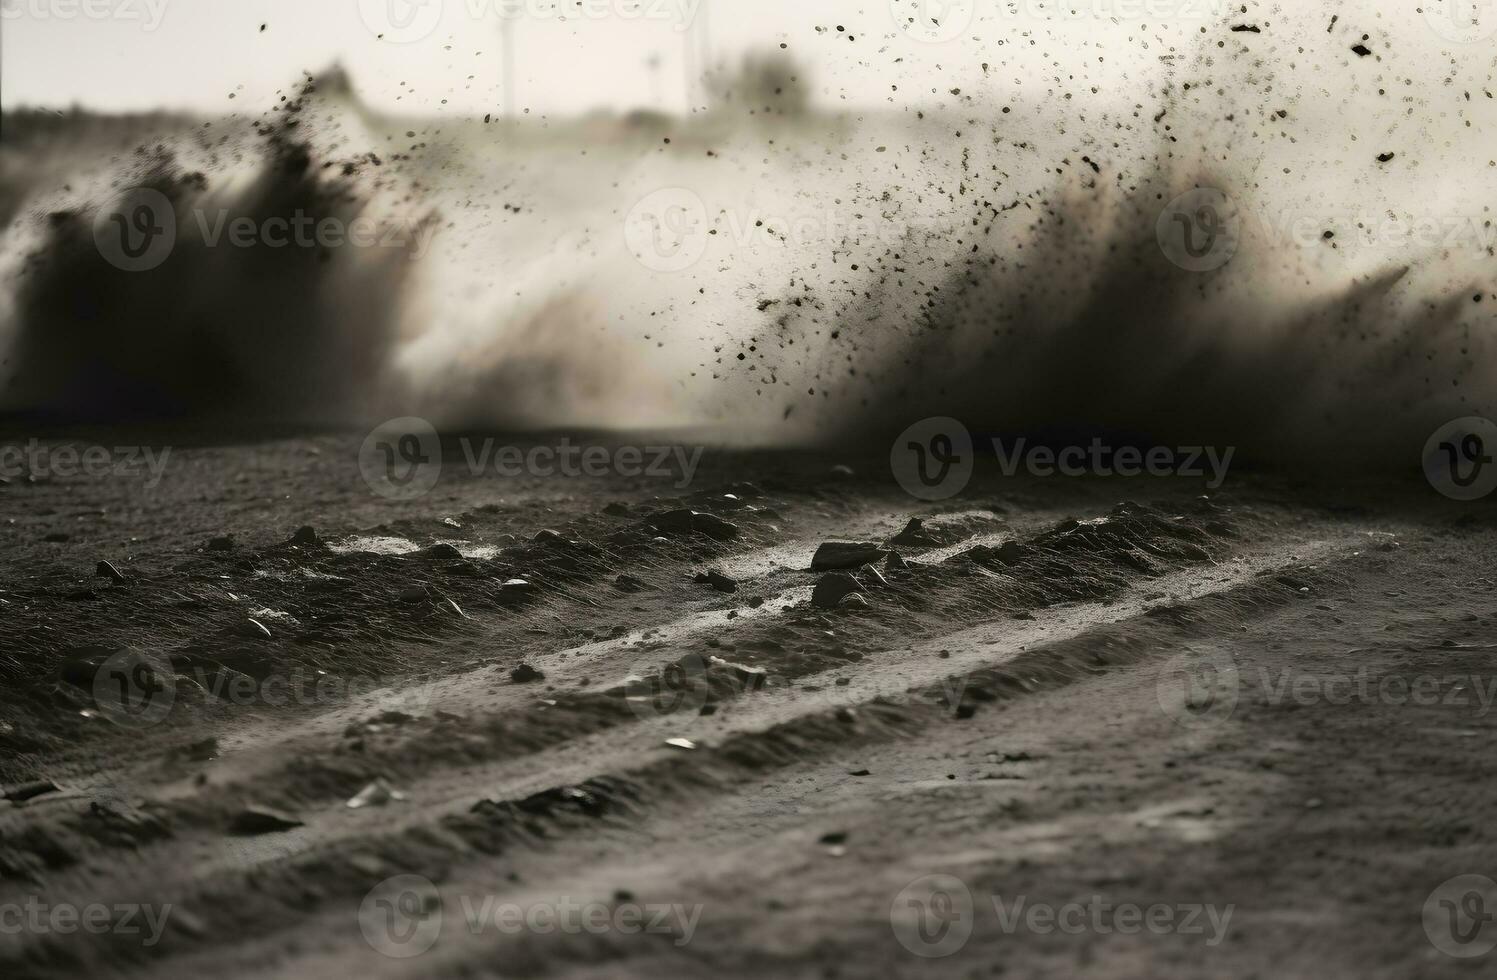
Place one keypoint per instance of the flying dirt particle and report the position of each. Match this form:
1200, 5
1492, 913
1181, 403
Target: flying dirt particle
1334, 19
685, 744
1247, 29
1384, 157
1361, 50
525, 673
262, 820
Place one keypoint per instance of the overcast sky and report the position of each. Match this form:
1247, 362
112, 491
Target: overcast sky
119, 54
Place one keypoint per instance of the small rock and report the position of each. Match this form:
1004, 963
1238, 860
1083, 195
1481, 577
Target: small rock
616, 509
855, 600
412, 593
262, 820
842, 470
518, 586
58, 537
833, 588
628, 583
377, 793
106, 569
914, 534
718, 581
438, 552
872, 577
834, 837
22, 792
845, 554
1010, 552
748, 678
305, 535
685, 744
252, 629
895, 563
690, 520
224, 543
525, 673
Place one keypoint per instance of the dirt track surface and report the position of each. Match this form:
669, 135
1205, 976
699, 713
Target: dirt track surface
1245, 733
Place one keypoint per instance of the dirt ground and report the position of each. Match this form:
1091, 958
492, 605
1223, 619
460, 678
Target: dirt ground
1121, 728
